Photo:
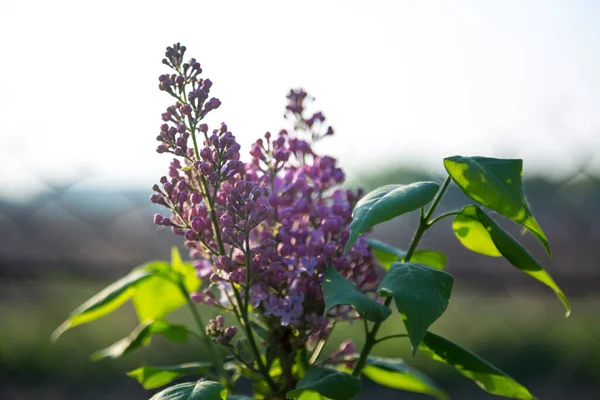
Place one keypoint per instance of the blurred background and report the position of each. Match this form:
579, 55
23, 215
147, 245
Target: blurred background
403, 83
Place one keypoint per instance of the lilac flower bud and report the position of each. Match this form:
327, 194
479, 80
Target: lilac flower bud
158, 219
186, 109
196, 198
190, 235
230, 332
197, 224
220, 320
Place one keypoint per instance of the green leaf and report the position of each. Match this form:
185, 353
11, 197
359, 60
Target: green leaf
153, 377
421, 294
328, 382
395, 373
105, 302
387, 254
239, 397
518, 256
488, 377
472, 234
387, 202
140, 337
497, 184
338, 290
201, 390
431, 258
161, 294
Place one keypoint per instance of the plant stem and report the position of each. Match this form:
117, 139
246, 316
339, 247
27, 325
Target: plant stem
214, 354
402, 335
421, 229
246, 319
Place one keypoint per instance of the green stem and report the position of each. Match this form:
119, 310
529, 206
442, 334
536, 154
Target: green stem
371, 340
440, 217
214, 354
246, 319
402, 335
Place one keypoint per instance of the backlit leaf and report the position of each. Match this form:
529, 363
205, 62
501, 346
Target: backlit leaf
497, 184
141, 336
153, 377
488, 377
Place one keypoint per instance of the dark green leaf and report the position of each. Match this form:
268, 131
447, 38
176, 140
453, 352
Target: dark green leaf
239, 397
387, 254
395, 373
201, 390
487, 376
160, 294
328, 382
387, 202
518, 256
141, 336
338, 290
421, 294
153, 377
497, 184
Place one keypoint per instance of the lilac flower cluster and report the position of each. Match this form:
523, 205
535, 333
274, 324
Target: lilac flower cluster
264, 231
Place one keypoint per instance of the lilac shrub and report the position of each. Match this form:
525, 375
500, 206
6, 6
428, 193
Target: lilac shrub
276, 246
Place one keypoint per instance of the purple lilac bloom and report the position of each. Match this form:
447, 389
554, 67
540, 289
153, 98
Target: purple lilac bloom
285, 202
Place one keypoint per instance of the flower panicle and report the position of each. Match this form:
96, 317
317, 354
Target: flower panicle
285, 202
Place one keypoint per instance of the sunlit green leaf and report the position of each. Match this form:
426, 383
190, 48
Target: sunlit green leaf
328, 382
488, 377
421, 294
431, 258
161, 294
387, 202
201, 390
387, 254
395, 373
338, 290
153, 377
141, 336
105, 302
518, 256
472, 234
497, 184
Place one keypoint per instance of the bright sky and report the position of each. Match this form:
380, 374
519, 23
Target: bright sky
402, 82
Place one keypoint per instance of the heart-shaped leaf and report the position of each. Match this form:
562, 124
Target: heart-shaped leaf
488, 377
141, 336
338, 290
328, 382
387, 202
153, 377
421, 294
497, 184
201, 390
395, 373
491, 235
